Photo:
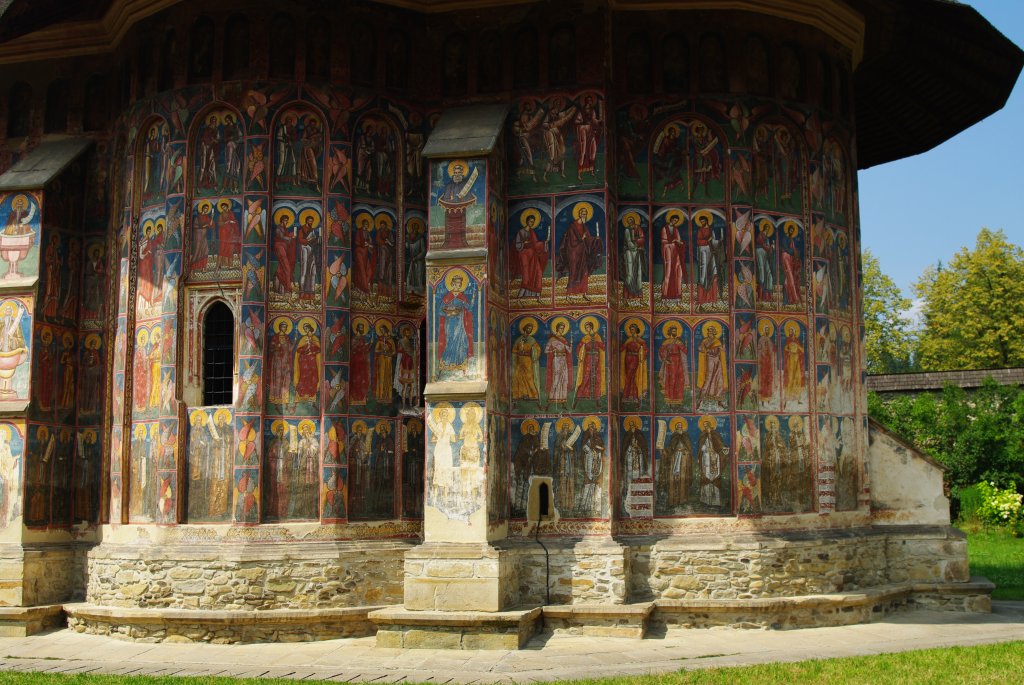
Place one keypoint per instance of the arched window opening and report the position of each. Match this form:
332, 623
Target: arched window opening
712, 65
638, 63
454, 66
562, 56
675, 64
95, 114
490, 73
236, 47
282, 52
318, 49
396, 66
19, 110
524, 60
218, 355
758, 66
167, 57
200, 58
363, 56
56, 107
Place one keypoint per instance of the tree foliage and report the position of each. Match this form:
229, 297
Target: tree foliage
889, 340
977, 436
973, 308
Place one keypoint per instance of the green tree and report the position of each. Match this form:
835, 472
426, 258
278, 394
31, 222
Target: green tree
889, 340
973, 308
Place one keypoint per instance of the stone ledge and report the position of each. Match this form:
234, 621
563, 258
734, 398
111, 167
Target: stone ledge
25, 621
599, 620
404, 629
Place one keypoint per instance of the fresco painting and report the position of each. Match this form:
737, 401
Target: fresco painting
458, 216
413, 468
220, 153
298, 153
209, 464
414, 279
295, 264
530, 238
787, 464
374, 275
634, 365
294, 364
694, 465
371, 460
21, 219
710, 261
377, 160
291, 472
456, 312
12, 459
456, 459
580, 250
15, 346
688, 162
635, 467
634, 252
776, 174
498, 469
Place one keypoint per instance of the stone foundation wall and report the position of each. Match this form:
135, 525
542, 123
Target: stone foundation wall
927, 554
33, 575
586, 572
261, 577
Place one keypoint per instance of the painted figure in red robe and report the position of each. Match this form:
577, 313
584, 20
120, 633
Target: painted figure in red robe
532, 256
306, 372
579, 255
362, 255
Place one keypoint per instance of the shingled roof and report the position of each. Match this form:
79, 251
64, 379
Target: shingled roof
937, 380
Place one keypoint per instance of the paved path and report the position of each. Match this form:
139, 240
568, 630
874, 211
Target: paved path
546, 657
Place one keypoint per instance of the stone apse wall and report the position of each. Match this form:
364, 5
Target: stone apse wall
666, 315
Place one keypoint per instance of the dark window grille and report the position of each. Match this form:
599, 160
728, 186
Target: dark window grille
218, 355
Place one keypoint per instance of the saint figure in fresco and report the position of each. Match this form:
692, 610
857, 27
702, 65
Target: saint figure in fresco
311, 149
532, 256
276, 473
527, 461
765, 253
564, 465
407, 369
384, 352
415, 258
773, 457
307, 257
633, 257
634, 449
580, 253
526, 363
306, 473
67, 365
284, 143
204, 236
384, 249
284, 251
766, 361
590, 364
361, 358
455, 337
674, 361
279, 361
794, 378
92, 375
707, 266
712, 456
633, 365
554, 137
307, 364
229, 235
592, 454
587, 122
797, 467
707, 163
675, 469
712, 382
363, 262
673, 257
54, 261
558, 357
791, 266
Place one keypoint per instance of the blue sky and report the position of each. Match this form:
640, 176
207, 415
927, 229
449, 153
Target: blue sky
919, 210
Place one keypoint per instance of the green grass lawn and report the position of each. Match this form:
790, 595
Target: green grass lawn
998, 556
999, 663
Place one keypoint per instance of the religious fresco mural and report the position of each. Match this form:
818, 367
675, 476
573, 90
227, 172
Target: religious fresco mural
377, 161
557, 143
298, 159
414, 280
458, 210
456, 311
12, 459
571, 450
413, 468
634, 382
498, 469
456, 459
209, 462
294, 365
687, 162
21, 219
374, 274
634, 251
581, 234
295, 264
143, 485
559, 365
291, 470
694, 465
372, 464
15, 349
787, 465
219, 153
531, 235
216, 240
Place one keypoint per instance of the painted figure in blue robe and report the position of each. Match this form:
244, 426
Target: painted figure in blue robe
455, 338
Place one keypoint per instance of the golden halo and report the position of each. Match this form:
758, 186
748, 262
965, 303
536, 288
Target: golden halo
591, 421
414, 225
457, 162
212, 119
361, 217
792, 329
361, 320
704, 213
842, 239
383, 328
766, 227
470, 413
154, 334
591, 320
678, 422
47, 335
706, 421
672, 324
282, 320
531, 212
846, 333
359, 427
527, 320
67, 340
310, 321
284, 212
8, 308
635, 216
42, 433
89, 435
279, 426
791, 228
19, 201
677, 214
712, 329
450, 278
6, 432
771, 422
382, 424
147, 227
154, 431
306, 423
414, 426
632, 422
307, 213
443, 409
698, 126
221, 414
634, 321
141, 336
161, 224
831, 331
766, 327
205, 206
564, 422
553, 324
579, 207
197, 418
383, 220
529, 423
223, 205
796, 423
332, 433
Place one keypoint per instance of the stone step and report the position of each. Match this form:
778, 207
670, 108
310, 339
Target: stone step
599, 620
